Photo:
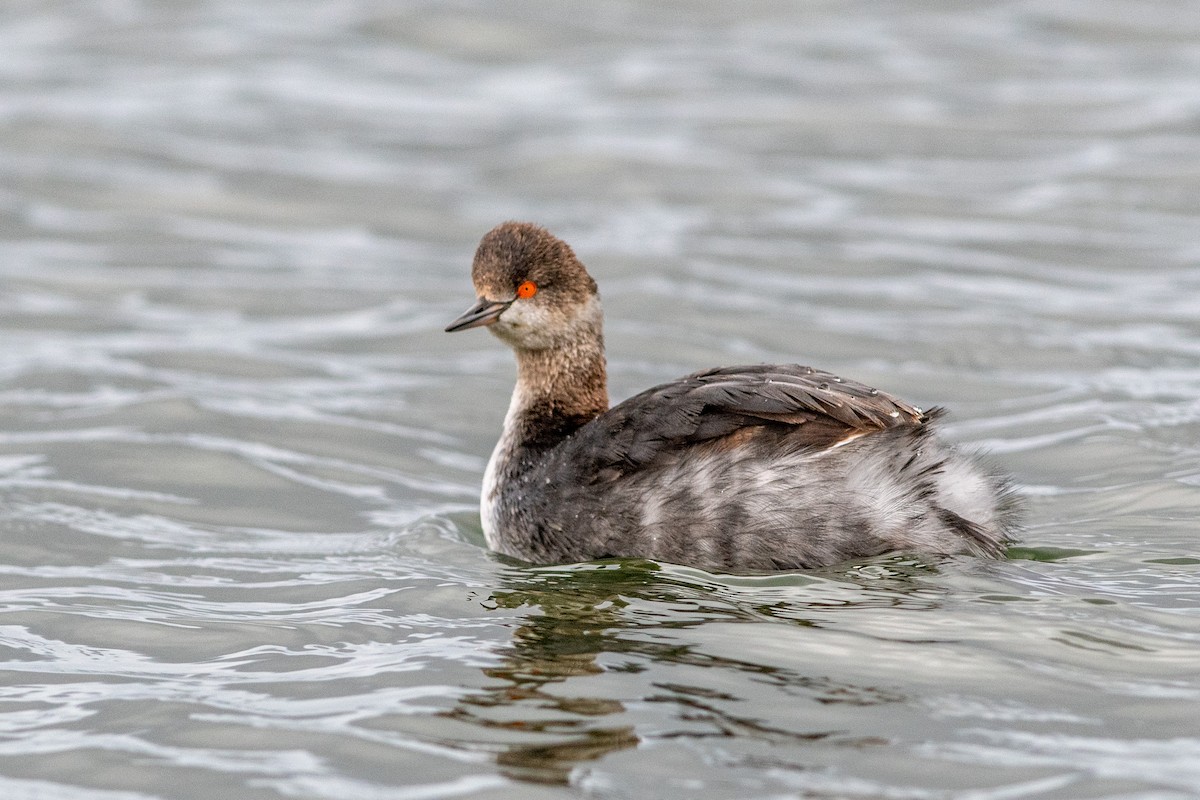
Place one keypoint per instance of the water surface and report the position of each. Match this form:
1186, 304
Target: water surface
240, 553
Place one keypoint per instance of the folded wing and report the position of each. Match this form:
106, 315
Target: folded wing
813, 408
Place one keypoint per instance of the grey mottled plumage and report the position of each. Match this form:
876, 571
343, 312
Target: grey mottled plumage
738, 468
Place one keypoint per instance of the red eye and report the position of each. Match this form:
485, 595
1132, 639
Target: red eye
527, 289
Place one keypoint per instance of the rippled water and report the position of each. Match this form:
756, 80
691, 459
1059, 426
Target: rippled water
239, 550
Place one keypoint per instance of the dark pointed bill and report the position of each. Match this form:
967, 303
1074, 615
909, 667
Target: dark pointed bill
485, 312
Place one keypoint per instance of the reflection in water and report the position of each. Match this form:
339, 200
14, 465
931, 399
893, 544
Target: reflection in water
581, 611
578, 609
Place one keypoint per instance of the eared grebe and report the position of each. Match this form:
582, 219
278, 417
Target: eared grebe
734, 469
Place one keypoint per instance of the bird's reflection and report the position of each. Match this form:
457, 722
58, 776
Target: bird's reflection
572, 611
541, 732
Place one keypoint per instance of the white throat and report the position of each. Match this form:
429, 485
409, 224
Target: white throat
489, 498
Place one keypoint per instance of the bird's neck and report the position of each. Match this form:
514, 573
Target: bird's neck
559, 389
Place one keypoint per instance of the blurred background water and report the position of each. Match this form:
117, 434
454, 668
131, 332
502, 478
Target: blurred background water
239, 547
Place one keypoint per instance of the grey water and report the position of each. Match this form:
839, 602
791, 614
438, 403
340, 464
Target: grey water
240, 553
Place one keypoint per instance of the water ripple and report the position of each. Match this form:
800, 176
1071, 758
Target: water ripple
239, 461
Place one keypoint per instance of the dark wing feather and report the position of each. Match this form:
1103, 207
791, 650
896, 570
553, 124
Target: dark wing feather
814, 409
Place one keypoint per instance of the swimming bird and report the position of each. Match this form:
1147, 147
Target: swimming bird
735, 469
